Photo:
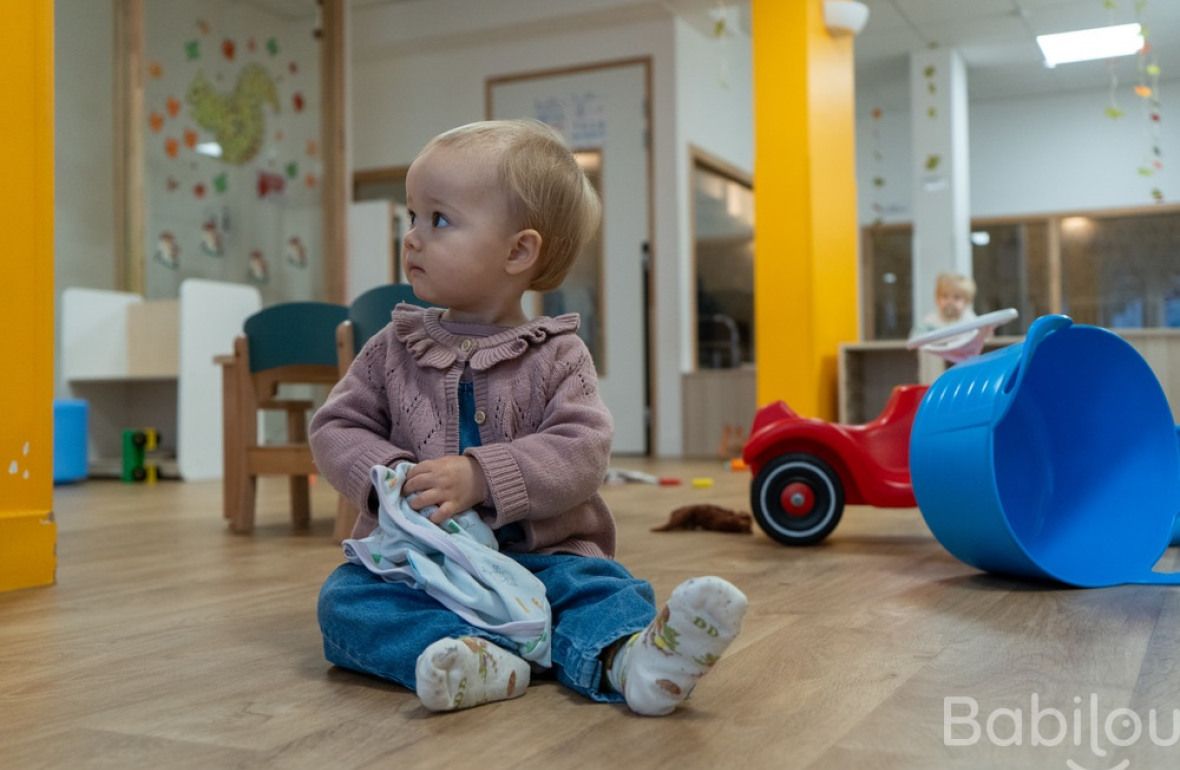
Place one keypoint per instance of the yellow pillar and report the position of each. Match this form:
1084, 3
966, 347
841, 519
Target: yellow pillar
805, 224
27, 532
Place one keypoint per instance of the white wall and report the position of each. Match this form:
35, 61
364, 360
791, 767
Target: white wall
1032, 155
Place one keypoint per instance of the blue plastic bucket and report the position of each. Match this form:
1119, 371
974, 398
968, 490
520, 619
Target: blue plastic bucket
1054, 458
69, 440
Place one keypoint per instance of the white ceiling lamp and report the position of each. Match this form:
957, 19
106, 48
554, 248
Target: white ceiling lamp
1086, 44
845, 17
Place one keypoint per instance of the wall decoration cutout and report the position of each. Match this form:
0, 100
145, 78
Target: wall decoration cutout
211, 243
236, 119
270, 184
167, 250
296, 252
259, 272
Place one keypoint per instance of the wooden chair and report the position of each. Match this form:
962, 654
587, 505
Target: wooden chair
367, 315
287, 343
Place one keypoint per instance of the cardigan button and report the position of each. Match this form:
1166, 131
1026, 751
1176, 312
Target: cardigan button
480, 417
467, 345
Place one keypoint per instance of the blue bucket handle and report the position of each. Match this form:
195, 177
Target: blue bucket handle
1037, 333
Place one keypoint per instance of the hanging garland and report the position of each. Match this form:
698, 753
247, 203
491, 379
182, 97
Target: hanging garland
878, 174
1147, 90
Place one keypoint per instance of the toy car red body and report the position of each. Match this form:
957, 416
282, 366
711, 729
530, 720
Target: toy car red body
805, 470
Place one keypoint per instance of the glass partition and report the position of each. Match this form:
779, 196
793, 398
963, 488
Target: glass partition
723, 223
232, 178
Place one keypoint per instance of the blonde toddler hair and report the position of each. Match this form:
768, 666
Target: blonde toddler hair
547, 190
948, 283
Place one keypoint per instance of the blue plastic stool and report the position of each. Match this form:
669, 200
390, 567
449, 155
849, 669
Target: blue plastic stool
69, 440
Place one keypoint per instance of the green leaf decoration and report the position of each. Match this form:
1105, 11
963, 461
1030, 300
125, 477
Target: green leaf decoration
933, 161
272, 46
192, 49
931, 88
1109, 5
292, 170
221, 183
1152, 69
878, 181
1145, 171
1114, 113
1157, 194
929, 71
931, 113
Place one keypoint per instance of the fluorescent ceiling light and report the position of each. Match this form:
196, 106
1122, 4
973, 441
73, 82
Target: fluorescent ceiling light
1086, 44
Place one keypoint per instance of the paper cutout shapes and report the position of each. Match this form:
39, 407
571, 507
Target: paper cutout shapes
192, 50
227, 49
211, 244
167, 251
296, 252
156, 121
270, 184
236, 119
190, 138
171, 147
259, 273
221, 182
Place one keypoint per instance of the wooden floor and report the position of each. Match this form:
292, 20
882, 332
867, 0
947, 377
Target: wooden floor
170, 643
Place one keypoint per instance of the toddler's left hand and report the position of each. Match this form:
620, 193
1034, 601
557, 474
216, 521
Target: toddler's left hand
454, 483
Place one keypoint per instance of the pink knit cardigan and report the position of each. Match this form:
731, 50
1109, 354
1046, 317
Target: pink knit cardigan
546, 433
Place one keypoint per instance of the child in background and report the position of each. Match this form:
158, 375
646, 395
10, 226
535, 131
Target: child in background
501, 414
954, 295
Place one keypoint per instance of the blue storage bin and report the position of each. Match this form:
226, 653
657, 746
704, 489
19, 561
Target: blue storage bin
69, 440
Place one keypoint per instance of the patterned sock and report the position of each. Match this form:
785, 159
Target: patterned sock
460, 673
657, 668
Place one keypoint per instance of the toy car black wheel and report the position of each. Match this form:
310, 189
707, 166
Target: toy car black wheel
139, 438
797, 499
139, 474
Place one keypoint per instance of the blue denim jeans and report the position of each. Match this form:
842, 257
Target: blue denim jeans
381, 628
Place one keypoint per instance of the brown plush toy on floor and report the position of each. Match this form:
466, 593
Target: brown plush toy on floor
709, 517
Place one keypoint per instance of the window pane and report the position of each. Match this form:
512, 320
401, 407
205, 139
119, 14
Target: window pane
723, 219
1122, 272
890, 252
1010, 264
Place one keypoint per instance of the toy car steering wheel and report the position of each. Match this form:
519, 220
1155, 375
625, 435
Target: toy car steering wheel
960, 341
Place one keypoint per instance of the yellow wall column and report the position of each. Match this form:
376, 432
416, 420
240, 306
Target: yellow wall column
27, 533
805, 226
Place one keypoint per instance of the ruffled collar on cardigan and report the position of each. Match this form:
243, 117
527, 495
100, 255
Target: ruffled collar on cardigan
420, 330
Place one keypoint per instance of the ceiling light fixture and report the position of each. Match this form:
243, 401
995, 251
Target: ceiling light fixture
1086, 44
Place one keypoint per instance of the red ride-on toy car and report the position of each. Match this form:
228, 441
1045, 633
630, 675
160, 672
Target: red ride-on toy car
805, 470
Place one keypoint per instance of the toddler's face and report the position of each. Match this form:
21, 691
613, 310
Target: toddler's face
951, 304
459, 227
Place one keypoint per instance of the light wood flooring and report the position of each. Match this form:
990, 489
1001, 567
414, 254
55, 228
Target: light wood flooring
170, 643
